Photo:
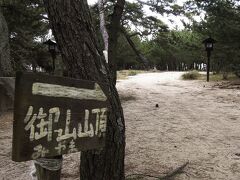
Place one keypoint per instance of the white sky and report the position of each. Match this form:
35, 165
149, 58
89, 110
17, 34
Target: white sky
166, 19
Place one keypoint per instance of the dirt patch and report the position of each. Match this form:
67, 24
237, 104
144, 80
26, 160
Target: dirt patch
228, 84
194, 122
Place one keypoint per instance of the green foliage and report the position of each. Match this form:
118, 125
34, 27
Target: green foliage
167, 50
27, 24
163, 6
192, 75
135, 15
222, 22
124, 74
132, 73
126, 58
220, 77
174, 50
236, 70
127, 97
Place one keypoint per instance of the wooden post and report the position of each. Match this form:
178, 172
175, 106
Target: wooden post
208, 64
45, 174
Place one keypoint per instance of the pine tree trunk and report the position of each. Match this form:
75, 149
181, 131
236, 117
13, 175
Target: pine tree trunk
101, 4
114, 29
141, 57
5, 65
72, 26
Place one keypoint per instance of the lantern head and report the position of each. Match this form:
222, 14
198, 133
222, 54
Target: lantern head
209, 42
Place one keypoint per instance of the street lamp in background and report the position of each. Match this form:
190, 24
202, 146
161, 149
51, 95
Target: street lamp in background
52, 48
209, 42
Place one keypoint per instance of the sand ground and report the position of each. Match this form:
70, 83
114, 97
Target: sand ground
194, 123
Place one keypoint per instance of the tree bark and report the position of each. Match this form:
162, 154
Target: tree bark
114, 29
142, 58
5, 64
72, 27
103, 26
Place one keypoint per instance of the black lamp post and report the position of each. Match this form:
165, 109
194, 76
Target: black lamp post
209, 42
52, 48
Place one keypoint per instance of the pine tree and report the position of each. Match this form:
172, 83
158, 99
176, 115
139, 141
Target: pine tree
74, 32
27, 24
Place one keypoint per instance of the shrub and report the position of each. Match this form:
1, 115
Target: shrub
192, 75
237, 70
127, 97
132, 73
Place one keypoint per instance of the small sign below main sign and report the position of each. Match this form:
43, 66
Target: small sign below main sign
56, 115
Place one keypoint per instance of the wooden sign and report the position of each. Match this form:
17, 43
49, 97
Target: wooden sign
56, 115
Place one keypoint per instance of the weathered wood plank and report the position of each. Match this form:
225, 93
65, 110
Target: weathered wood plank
56, 115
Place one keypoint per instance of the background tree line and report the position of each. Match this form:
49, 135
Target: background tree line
144, 42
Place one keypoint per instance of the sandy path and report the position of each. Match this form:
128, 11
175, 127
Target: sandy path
194, 123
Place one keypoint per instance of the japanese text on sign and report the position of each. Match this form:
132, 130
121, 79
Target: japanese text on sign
40, 125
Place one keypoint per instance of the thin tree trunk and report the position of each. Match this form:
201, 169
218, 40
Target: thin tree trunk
141, 57
72, 26
114, 29
5, 64
103, 27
